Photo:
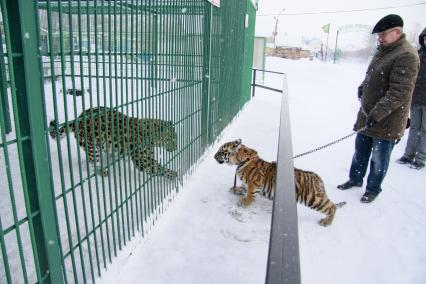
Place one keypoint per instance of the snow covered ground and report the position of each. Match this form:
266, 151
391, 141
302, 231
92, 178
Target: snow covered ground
204, 237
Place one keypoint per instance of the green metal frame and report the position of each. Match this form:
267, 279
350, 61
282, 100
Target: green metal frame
3, 91
207, 58
183, 61
27, 95
250, 21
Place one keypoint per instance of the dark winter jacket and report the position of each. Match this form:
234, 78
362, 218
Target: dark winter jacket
419, 95
387, 90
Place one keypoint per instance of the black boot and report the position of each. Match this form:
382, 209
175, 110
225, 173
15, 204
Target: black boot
416, 164
349, 184
404, 160
368, 197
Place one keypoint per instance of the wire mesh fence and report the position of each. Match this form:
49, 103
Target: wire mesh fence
106, 106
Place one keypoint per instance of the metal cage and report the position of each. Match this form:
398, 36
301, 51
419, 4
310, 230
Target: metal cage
184, 62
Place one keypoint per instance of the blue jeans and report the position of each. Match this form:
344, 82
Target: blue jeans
380, 151
416, 143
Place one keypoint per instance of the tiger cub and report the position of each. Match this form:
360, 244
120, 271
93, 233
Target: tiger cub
258, 175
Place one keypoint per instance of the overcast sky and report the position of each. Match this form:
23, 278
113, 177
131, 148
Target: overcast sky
291, 27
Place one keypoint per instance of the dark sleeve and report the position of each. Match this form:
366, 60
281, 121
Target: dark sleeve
401, 84
421, 77
360, 91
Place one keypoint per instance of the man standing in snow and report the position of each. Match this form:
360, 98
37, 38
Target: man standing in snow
385, 96
415, 151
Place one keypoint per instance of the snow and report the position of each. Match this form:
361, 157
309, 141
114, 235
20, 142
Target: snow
87, 205
204, 237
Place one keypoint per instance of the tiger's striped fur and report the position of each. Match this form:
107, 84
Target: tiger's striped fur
258, 175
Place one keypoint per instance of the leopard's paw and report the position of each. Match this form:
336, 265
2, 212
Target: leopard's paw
103, 172
171, 174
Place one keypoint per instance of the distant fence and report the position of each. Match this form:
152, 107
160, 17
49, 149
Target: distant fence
172, 74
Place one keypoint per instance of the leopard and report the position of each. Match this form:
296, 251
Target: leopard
101, 129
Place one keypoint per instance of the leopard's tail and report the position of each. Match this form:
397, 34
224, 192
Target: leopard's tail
54, 129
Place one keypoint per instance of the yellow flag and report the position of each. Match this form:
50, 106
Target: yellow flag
326, 28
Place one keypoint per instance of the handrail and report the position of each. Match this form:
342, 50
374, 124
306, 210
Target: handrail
283, 265
268, 71
254, 85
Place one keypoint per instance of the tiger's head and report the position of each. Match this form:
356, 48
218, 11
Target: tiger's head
234, 153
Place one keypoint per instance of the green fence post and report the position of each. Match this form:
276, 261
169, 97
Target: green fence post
27, 72
207, 46
249, 23
3, 90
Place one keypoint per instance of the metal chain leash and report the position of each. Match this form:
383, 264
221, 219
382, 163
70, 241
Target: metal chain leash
316, 149
329, 144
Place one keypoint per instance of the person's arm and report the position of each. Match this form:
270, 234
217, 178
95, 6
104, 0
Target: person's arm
401, 84
360, 90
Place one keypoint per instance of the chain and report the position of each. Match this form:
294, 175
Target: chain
329, 144
317, 149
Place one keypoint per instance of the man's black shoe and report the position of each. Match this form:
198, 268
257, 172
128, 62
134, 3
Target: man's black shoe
349, 184
368, 197
417, 165
404, 160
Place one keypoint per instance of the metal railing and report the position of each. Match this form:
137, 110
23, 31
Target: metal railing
283, 259
254, 83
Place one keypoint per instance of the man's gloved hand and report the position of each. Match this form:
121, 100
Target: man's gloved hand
360, 92
370, 121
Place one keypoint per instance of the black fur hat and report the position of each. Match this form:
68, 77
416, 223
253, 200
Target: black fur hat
388, 22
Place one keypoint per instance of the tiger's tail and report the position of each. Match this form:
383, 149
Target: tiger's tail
54, 129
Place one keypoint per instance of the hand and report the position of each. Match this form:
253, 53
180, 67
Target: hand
370, 122
360, 92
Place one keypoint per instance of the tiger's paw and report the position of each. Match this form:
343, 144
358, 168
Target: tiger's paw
238, 190
245, 202
324, 222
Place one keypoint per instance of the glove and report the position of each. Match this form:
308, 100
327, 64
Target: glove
370, 121
360, 92
408, 123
